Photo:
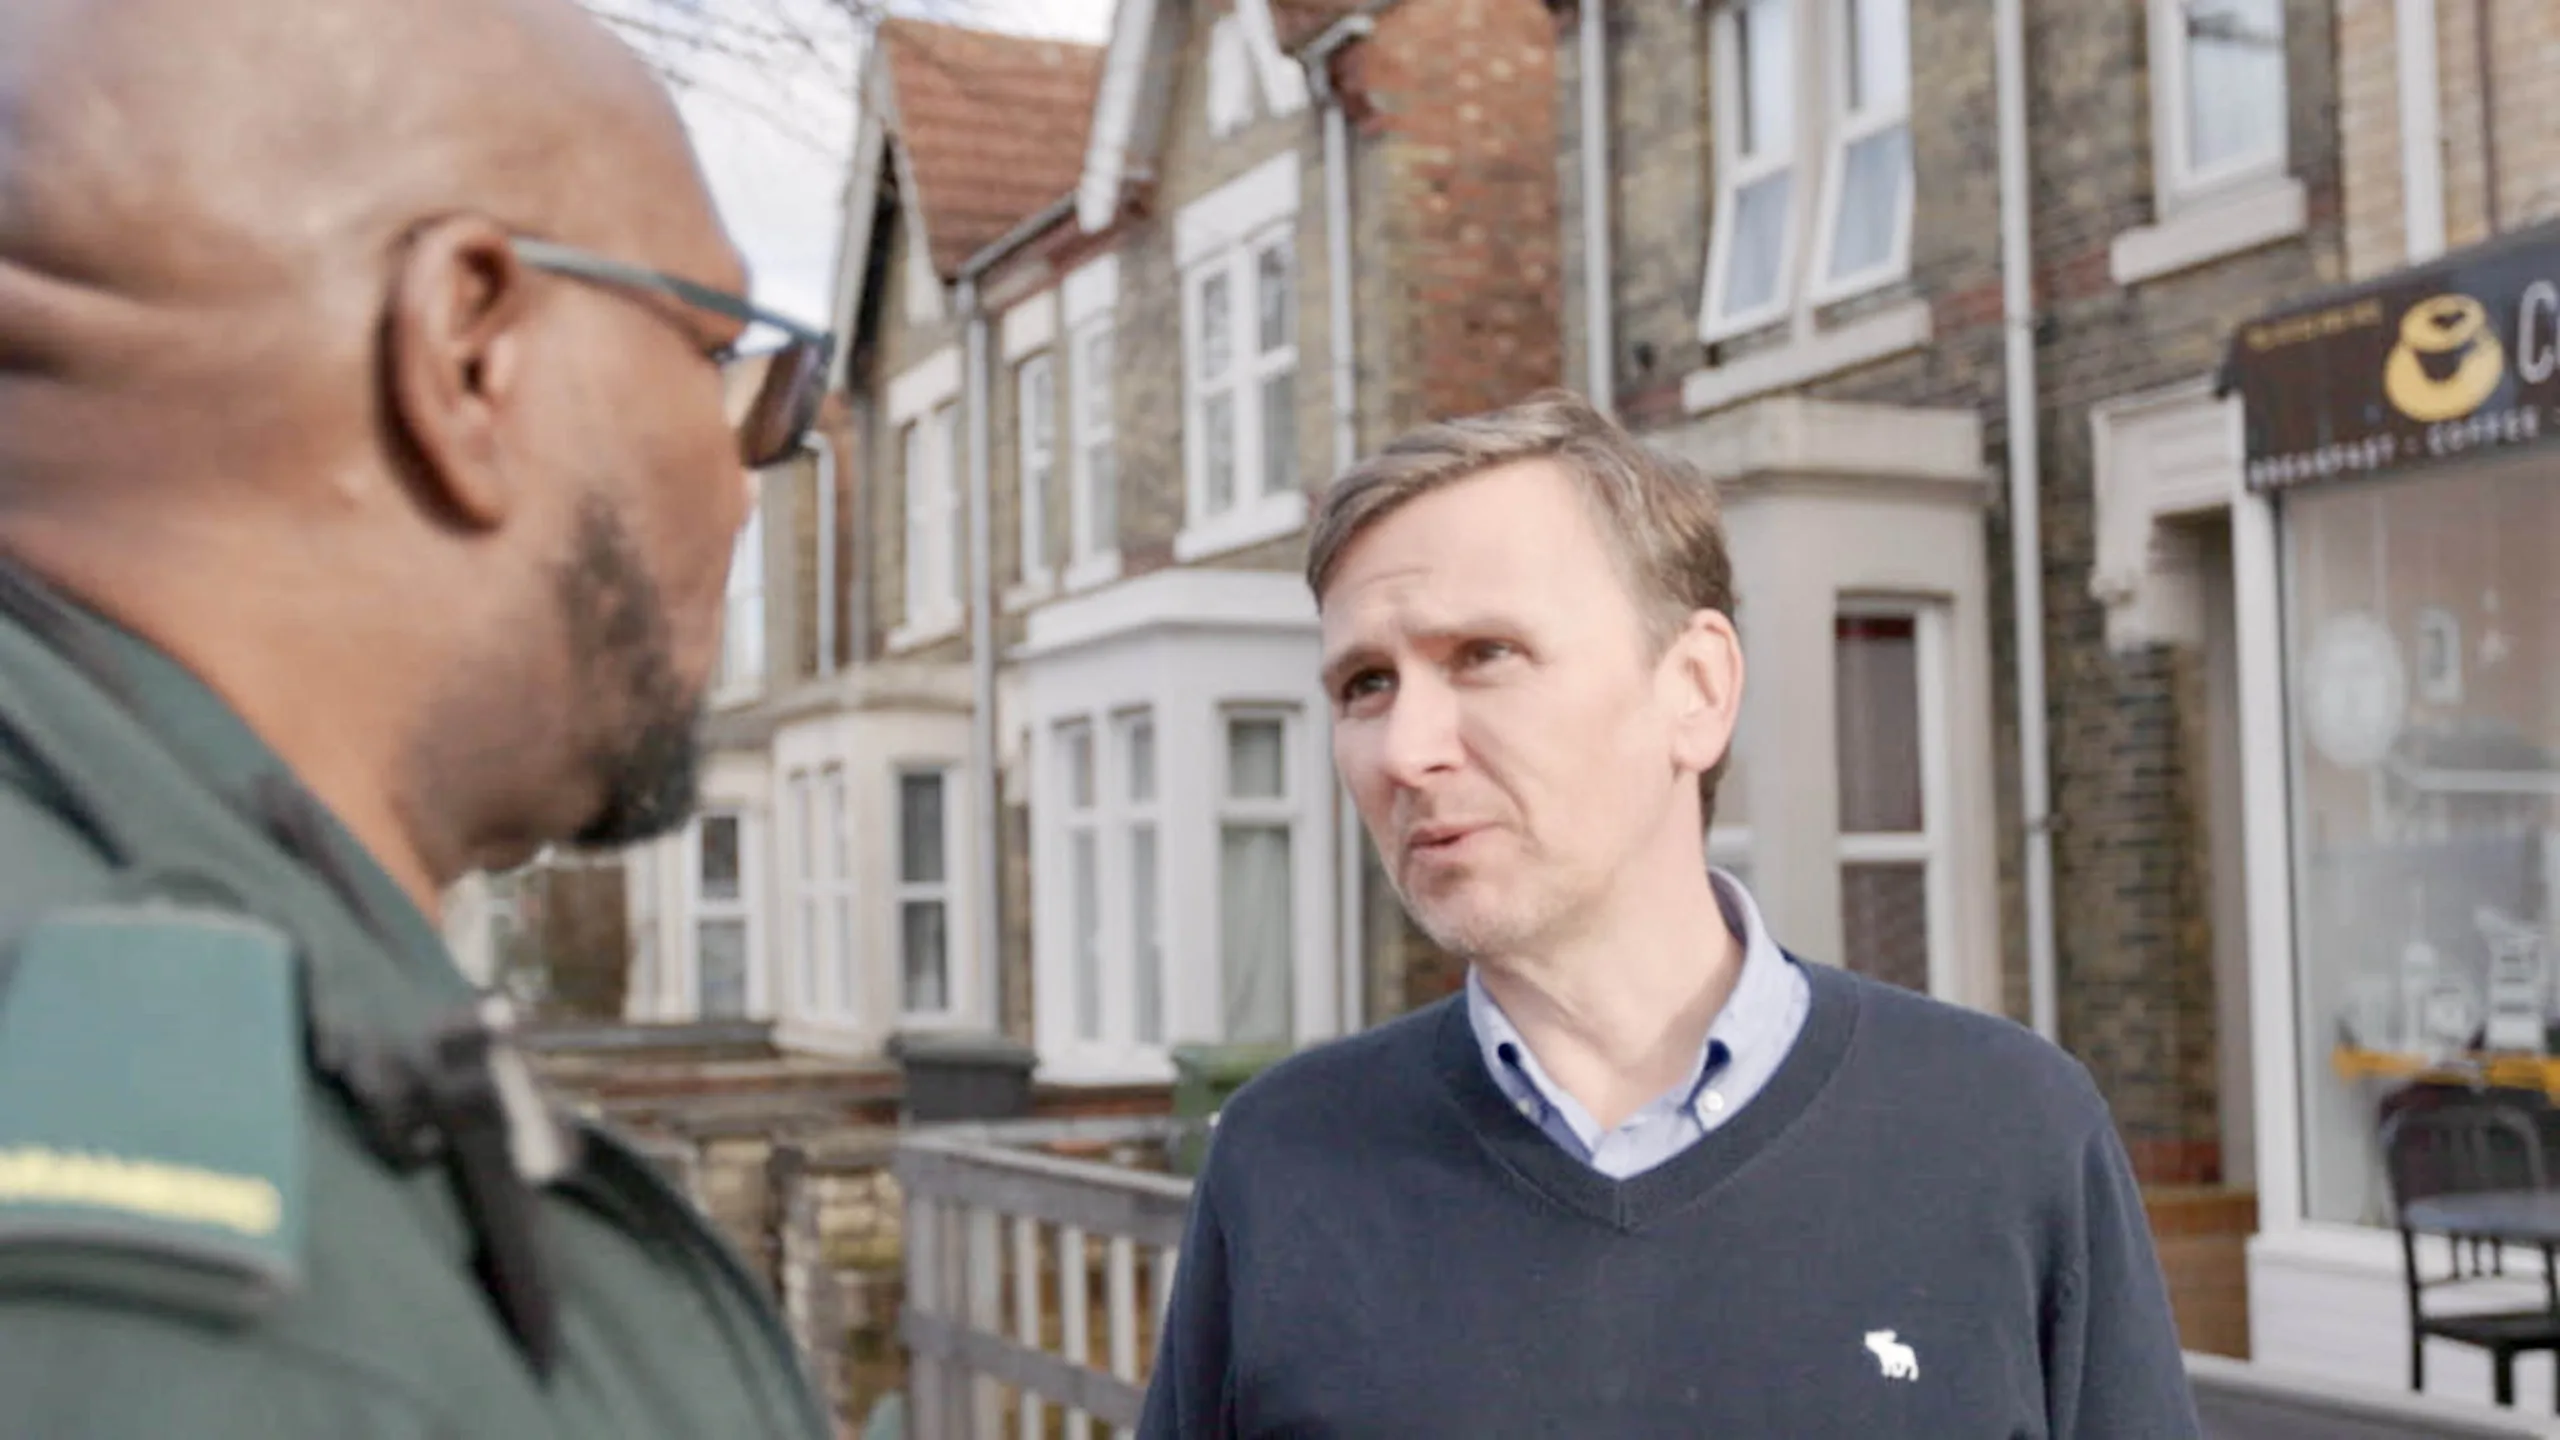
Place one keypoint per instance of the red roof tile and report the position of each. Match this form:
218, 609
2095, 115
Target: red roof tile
994, 126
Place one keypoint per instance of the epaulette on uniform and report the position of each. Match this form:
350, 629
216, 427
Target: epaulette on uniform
152, 1137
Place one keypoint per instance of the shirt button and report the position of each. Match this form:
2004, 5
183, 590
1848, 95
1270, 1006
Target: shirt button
1529, 1109
1712, 1103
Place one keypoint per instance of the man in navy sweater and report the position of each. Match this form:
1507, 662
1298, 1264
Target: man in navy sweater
1650, 1175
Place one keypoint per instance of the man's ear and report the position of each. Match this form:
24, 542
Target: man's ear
454, 359
1704, 672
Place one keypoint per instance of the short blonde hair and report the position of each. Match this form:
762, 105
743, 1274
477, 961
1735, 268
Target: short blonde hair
1657, 513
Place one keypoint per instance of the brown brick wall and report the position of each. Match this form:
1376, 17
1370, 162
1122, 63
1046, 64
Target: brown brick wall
838, 431
2134, 945
2519, 106
1150, 399
1660, 144
1460, 96
2369, 135
901, 346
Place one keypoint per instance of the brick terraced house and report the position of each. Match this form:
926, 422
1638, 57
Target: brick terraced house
1034, 745
1939, 290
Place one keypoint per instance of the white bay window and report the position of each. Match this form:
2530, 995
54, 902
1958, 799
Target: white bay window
723, 905
925, 920
1182, 863
827, 985
1890, 742
1143, 920
1114, 886
1257, 830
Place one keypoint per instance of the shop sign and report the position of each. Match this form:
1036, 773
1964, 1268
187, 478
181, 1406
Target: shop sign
2437, 363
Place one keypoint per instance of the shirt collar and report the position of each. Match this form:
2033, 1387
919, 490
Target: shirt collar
1753, 1019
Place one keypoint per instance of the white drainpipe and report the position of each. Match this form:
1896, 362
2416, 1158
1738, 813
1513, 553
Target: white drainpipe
2421, 132
987, 911
1600, 339
2026, 526
1349, 907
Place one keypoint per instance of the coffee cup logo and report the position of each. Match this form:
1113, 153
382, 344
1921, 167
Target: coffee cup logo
2448, 362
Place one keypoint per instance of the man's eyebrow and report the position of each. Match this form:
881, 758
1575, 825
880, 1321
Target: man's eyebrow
1340, 667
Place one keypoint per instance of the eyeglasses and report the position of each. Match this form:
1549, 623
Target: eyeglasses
772, 390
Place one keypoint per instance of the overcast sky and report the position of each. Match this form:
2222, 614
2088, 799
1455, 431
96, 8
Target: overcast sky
773, 127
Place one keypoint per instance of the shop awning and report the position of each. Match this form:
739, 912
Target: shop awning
2435, 363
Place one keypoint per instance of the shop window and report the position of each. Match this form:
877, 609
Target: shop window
2425, 754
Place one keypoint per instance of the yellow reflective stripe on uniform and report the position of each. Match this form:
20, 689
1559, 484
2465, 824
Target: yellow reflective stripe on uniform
245, 1203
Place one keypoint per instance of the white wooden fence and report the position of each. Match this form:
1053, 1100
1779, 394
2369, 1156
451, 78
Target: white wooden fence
1036, 1283
1036, 1288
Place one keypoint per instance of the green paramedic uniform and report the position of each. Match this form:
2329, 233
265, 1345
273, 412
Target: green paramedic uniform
268, 1166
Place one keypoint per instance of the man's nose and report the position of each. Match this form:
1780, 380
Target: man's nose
1421, 731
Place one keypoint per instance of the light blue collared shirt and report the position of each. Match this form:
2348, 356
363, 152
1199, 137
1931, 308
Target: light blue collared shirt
1750, 1036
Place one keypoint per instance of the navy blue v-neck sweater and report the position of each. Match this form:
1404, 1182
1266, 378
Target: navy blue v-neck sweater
1925, 1226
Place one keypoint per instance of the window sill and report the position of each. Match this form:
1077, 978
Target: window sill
1029, 592
2228, 225
933, 1022
1268, 518
736, 694
1089, 1063
1092, 571
916, 636
1863, 341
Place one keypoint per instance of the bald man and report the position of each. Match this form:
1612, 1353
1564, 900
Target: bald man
374, 431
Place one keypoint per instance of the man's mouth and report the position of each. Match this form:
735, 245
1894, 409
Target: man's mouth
1430, 838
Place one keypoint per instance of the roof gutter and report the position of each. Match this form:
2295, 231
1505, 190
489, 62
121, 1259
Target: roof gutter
995, 252
985, 802
1319, 50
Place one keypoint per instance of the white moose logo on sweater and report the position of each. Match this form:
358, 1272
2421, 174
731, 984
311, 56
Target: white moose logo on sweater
1896, 1358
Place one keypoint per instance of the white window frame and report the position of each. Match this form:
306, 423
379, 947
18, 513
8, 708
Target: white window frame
1289, 810
945, 892
1083, 819
930, 461
1127, 813
1818, 145
2175, 184
1088, 302
1843, 129
701, 908
1253, 512
1094, 554
1736, 172
827, 982
743, 651
1931, 846
1035, 464
1225, 232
